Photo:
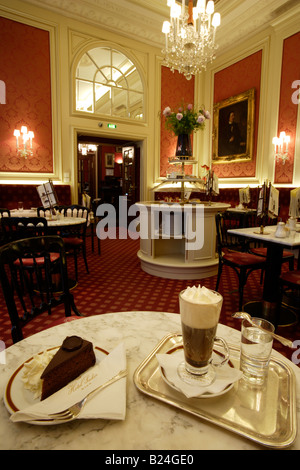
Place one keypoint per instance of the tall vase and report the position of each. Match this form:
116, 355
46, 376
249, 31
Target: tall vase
184, 146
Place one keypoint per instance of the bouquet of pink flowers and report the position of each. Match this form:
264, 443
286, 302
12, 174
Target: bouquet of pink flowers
185, 120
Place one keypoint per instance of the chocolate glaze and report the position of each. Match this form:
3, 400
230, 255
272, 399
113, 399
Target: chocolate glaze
71, 343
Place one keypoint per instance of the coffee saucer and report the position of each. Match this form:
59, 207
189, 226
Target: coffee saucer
226, 376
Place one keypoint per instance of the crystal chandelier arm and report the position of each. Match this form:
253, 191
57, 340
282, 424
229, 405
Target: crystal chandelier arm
190, 37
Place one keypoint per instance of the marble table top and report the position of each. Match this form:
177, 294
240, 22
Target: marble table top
268, 236
149, 424
58, 221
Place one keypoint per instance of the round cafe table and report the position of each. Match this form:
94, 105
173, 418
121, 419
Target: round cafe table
149, 423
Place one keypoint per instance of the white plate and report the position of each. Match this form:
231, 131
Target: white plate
16, 397
178, 350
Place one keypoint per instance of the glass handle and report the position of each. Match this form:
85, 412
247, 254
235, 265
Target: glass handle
226, 353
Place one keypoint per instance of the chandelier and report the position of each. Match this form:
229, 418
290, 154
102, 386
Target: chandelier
24, 144
190, 36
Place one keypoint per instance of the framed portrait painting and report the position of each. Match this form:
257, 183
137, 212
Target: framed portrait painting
109, 160
233, 128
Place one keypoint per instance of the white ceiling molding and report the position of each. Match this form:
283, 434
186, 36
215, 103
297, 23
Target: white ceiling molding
142, 19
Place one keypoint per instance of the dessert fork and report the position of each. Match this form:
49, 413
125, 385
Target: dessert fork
73, 411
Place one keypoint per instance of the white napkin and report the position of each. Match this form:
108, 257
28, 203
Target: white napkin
109, 403
226, 375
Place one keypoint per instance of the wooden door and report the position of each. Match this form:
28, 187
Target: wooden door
131, 174
86, 175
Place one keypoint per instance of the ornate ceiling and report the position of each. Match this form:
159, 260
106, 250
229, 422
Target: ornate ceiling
142, 19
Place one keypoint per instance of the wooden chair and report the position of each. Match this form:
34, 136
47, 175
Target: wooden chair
290, 287
16, 228
232, 251
94, 220
46, 212
30, 292
3, 213
74, 236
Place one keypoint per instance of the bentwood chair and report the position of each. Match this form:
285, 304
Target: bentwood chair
74, 236
232, 251
290, 287
16, 228
46, 212
3, 213
28, 293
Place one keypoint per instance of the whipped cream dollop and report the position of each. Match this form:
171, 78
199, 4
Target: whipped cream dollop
32, 372
200, 307
200, 295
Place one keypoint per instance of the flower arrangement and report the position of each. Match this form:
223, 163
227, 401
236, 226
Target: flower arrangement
185, 120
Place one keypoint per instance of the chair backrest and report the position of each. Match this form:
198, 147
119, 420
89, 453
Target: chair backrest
30, 289
224, 222
76, 210
4, 212
47, 212
16, 228
254, 221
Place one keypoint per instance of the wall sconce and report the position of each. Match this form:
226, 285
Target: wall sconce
119, 159
281, 146
24, 143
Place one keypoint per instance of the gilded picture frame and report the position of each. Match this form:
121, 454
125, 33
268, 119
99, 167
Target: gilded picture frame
233, 128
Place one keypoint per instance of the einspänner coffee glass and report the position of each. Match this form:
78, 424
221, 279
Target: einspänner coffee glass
200, 310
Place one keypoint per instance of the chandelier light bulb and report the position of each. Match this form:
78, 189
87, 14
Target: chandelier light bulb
201, 6
210, 8
190, 36
166, 27
216, 21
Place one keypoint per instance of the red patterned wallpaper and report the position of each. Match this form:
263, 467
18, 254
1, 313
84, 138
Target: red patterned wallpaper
231, 81
175, 89
25, 69
287, 119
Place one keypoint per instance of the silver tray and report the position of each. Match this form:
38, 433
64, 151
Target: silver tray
266, 415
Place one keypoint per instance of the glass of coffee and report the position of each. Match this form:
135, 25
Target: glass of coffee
200, 310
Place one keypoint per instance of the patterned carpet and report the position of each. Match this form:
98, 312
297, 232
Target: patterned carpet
116, 283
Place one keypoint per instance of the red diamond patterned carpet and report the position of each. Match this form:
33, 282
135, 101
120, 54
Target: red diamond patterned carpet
116, 283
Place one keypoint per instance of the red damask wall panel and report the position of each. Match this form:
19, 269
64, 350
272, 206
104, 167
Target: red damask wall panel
287, 119
231, 81
25, 69
175, 89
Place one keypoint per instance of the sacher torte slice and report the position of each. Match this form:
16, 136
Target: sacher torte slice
73, 358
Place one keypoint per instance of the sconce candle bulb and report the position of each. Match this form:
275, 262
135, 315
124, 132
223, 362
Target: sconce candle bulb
23, 149
281, 147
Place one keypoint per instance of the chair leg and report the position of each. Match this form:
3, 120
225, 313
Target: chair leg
291, 264
219, 276
242, 282
75, 265
85, 259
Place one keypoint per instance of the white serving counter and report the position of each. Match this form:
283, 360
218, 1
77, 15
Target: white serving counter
178, 241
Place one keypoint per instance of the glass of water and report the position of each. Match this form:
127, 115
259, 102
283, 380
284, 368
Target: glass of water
256, 348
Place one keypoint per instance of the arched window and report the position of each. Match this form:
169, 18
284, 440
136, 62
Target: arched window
108, 83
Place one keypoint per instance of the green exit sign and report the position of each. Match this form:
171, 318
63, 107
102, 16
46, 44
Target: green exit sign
111, 126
